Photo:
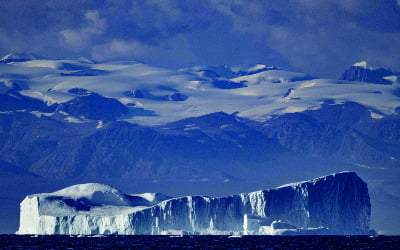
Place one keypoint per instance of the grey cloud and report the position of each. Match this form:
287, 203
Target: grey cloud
79, 39
314, 36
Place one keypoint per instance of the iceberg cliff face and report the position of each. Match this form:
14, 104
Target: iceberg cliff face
334, 204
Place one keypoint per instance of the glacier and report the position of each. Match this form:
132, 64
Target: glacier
149, 95
334, 204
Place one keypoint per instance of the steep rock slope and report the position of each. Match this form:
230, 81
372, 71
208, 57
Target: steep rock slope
363, 73
348, 132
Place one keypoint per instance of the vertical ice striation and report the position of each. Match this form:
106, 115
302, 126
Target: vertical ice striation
29, 216
334, 204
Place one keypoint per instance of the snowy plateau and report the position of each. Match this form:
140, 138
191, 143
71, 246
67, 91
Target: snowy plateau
210, 130
82, 90
333, 204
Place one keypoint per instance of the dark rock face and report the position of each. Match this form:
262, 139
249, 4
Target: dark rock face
356, 73
137, 94
13, 100
178, 97
94, 106
71, 66
85, 72
227, 84
80, 91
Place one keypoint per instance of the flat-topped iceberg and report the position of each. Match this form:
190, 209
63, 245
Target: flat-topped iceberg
333, 204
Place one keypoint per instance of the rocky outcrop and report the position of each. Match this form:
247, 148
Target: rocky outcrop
360, 72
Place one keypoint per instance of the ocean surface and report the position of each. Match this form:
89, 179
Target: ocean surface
197, 242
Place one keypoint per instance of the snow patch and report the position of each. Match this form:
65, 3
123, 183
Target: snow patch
100, 124
226, 126
191, 127
74, 119
393, 79
362, 64
375, 115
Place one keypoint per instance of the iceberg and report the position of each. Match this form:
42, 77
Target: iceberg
333, 204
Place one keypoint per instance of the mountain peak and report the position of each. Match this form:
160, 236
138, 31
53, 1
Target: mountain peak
363, 72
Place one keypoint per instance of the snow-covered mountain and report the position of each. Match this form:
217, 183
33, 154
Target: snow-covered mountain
333, 204
154, 96
210, 129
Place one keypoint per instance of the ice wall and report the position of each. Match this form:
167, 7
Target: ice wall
333, 204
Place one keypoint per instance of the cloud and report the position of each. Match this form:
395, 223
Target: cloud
157, 55
320, 37
313, 36
117, 49
81, 38
160, 19
156, 13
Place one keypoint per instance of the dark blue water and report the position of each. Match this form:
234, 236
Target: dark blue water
198, 242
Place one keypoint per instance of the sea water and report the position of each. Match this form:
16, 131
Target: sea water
196, 242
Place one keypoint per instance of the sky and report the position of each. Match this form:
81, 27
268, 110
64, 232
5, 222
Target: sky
318, 37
